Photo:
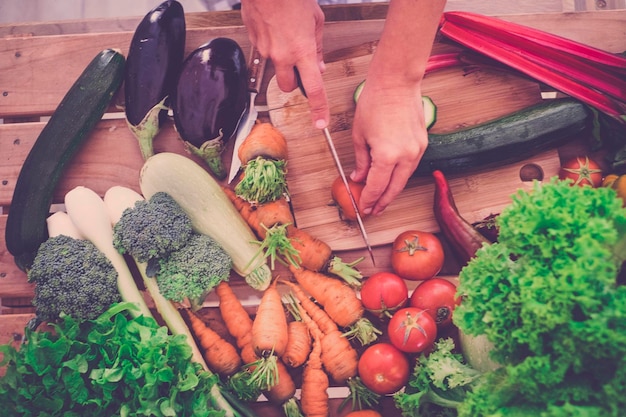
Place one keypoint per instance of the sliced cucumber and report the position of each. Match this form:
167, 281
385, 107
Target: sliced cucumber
430, 110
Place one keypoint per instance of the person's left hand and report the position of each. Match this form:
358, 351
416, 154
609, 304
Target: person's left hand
389, 136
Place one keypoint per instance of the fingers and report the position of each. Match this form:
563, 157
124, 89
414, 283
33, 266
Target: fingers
385, 174
382, 187
285, 77
313, 84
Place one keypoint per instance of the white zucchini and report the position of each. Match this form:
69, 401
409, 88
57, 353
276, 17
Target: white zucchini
210, 210
89, 214
59, 223
117, 199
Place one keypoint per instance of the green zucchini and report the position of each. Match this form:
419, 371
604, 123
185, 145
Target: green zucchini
69, 126
505, 140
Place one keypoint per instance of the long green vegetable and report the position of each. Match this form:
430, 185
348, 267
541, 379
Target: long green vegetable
69, 126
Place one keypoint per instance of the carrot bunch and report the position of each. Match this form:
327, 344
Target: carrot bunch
315, 382
280, 387
338, 357
282, 241
263, 154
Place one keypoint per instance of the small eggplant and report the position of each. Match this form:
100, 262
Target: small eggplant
210, 99
153, 63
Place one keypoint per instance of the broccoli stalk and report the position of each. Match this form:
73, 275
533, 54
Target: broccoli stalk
123, 202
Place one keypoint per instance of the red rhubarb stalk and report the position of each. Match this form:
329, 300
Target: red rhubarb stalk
462, 236
501, 52
571, 66
555, 42
441, 61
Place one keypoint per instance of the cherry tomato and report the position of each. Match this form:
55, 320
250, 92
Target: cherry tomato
417, 255
582, 170
412, 330
383, 368
342, 198
438, 297
383, 293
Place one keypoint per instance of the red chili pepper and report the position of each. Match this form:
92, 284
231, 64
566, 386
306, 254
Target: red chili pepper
462, 236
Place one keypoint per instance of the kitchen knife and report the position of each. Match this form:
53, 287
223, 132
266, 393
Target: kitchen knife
256, 68
342, 174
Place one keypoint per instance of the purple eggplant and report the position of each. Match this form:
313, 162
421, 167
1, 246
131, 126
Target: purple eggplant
154, 60
210, 99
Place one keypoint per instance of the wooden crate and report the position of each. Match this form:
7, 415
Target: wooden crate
41, 61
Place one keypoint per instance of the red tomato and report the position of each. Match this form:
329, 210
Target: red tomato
383, 293
342, 198
412, 330
582, 170
438, 297
417, 255
383, 368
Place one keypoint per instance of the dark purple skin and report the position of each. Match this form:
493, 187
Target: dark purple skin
211, 95
154, 60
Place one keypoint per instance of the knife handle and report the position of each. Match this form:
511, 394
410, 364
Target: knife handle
256, 69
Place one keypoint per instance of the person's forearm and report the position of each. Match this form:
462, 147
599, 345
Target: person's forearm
406, 41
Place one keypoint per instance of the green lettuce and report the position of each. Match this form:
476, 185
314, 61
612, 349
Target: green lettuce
115, 365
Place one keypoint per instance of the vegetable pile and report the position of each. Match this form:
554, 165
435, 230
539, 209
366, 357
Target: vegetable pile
545, 295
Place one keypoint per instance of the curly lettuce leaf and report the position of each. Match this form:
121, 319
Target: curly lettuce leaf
546, 296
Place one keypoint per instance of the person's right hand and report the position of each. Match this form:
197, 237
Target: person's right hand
289, 32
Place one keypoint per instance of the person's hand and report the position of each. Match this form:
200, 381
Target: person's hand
389, 136
289, 32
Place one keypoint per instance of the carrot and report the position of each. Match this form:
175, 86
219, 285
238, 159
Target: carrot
340, 359
236, 318
263, 140
299, 342
340, 301
364, 413
313, 392
220, 355
269, 328
272, 213
284, 388
314, 254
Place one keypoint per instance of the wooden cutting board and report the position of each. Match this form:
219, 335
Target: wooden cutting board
463, 99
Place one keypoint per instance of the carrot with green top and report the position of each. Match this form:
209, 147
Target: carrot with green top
299, 342
340, 301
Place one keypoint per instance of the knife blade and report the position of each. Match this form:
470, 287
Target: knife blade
256, 68
342, 174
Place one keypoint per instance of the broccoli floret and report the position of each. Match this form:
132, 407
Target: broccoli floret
152, 229
72, 276
194, 270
